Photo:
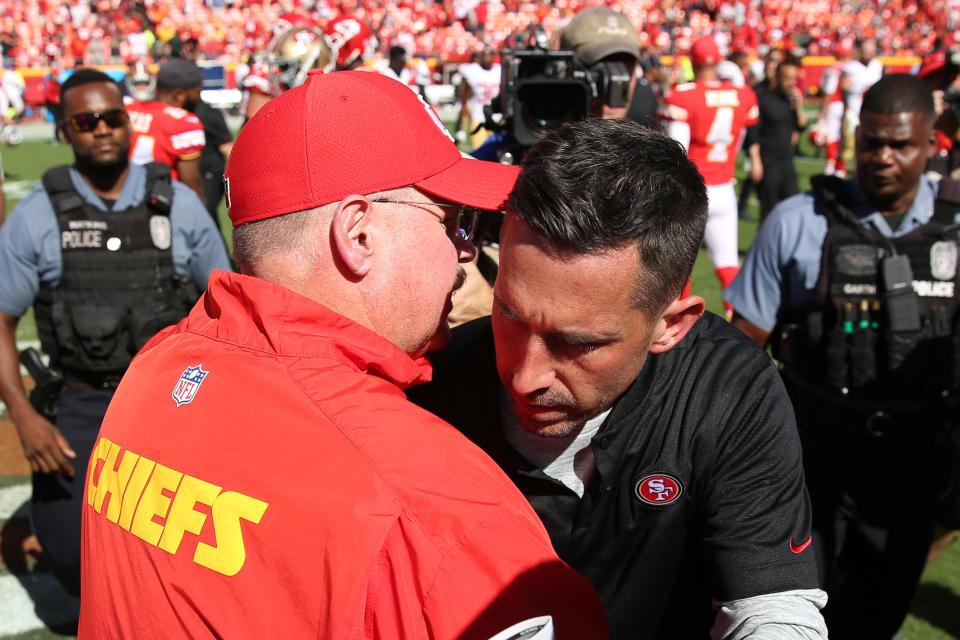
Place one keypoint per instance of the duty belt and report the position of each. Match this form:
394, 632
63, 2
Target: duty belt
824, 409
92, 380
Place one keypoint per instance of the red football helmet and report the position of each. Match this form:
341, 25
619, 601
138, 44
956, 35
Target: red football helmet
351, 38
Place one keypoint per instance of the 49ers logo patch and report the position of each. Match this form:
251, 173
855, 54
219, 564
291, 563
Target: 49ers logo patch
659, 489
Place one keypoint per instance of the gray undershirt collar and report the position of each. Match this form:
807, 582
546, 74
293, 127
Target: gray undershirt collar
567, 459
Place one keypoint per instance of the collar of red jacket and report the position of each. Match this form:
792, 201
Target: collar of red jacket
257, 314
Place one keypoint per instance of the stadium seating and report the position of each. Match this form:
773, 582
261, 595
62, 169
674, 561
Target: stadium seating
37, 33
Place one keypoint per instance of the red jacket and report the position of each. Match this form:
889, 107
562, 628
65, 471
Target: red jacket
260, 473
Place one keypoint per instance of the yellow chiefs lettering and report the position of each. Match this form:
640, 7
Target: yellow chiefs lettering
136, 488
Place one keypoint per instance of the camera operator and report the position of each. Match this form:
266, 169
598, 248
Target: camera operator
598, 36
593, 74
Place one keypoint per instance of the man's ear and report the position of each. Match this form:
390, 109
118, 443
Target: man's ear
676, 321
178, 95
350, 234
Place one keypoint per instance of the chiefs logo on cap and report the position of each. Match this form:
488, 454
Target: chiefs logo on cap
659, 489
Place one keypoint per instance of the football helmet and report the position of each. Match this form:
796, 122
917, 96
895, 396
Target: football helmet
352, 40
287, 21
10, 135
295, 53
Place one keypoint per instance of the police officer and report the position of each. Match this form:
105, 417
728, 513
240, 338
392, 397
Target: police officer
867, 334
108, 253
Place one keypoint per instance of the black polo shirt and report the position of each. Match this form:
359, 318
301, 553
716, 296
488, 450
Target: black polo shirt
699, 491
774, 131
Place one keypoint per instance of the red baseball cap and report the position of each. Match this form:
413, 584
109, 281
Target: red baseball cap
705, 52
351, 132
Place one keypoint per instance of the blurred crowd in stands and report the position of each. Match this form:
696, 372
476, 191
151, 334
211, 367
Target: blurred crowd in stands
69, 33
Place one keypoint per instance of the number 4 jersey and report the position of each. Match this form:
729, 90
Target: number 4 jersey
163, 133
716, 114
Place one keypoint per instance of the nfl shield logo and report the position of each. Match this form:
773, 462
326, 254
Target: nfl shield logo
189, 383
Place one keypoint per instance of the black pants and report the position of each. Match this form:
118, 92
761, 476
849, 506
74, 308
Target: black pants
57, 499
57, 114
874, 509
779, 183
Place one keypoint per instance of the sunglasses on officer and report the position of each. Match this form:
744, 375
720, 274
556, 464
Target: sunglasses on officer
87, 122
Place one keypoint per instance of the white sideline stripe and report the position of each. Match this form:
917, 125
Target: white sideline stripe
12, 498
21, 597
17, 189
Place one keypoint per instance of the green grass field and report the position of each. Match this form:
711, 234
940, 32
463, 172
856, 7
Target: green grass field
936, 612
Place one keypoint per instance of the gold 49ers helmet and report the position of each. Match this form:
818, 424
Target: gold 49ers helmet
295, 53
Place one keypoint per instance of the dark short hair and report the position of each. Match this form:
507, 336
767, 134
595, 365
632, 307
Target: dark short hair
899, 93
737, 57
790, 61
601, 184
84, 76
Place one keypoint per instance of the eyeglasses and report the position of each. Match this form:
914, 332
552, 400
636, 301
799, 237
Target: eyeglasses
87, 122
460, 226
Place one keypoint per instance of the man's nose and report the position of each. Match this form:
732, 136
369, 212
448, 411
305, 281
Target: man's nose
102, 128
466, 250
533, 371
884, 154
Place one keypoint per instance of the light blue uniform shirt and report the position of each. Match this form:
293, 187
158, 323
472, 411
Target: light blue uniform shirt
783, 264
30, 239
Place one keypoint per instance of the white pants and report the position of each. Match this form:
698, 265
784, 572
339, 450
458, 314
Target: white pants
722, 232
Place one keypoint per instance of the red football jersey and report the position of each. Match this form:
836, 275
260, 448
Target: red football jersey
717, 114
163, 133
257, 79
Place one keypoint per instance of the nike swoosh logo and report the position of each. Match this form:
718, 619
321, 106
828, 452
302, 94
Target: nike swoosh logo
800, 548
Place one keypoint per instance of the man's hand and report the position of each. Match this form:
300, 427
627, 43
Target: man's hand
795, 96
756, 171
44, 446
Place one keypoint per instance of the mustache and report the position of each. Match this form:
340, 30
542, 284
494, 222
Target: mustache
461, 279
553, 399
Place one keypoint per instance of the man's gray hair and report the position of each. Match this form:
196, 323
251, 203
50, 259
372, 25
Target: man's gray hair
293, 234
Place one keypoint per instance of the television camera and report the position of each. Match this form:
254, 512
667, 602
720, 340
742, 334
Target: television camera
541, 89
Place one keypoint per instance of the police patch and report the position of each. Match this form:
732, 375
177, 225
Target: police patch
160, 232
943, 260
189, 383
659, 489
857, 260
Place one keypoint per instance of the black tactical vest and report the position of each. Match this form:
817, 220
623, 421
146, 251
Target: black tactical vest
118, 286
876, 329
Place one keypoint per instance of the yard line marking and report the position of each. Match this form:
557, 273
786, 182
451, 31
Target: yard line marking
17, 189
12, 498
